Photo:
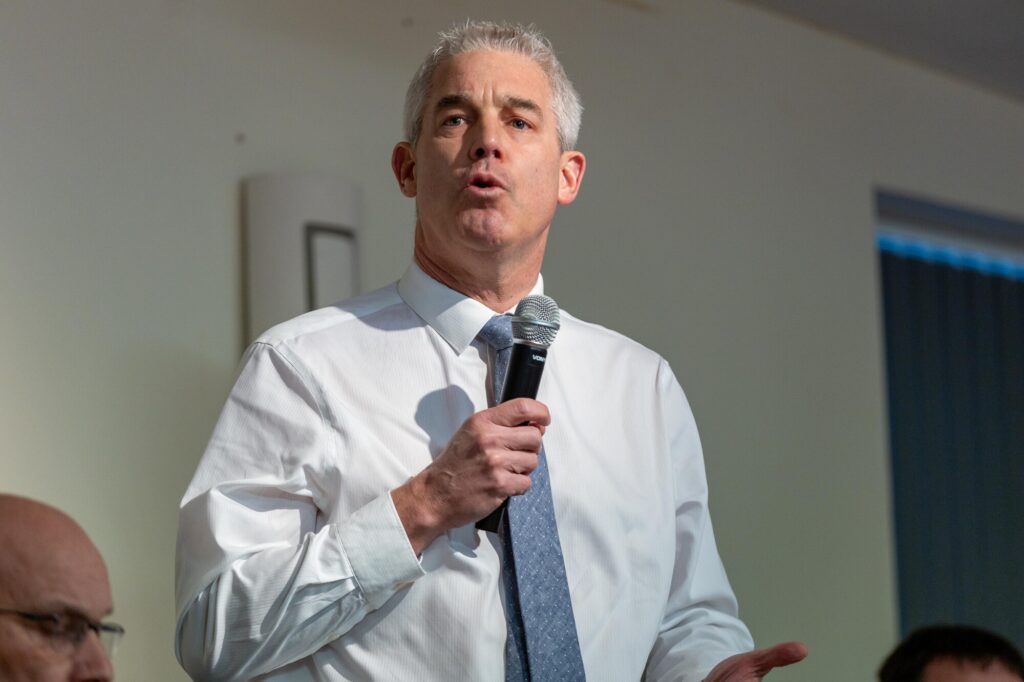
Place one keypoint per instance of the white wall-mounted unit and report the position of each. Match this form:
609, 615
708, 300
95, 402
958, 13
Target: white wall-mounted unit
301, 245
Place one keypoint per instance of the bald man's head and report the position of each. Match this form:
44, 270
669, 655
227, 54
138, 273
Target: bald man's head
48, 565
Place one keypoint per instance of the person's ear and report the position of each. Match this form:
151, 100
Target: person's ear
403, 165
574, 164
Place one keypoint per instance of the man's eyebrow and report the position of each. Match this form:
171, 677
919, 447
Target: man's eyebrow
510, 102
453, 100
513, 102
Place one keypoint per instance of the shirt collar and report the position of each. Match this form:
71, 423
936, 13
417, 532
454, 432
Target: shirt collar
453, 315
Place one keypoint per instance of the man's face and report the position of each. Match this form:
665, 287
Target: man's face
952, 670
67, 577
487, 171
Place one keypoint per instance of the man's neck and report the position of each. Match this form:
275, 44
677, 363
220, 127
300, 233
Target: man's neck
498, 285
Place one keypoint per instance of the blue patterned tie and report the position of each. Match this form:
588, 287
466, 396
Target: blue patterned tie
542, 645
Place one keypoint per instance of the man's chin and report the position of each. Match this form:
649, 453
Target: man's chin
486, 232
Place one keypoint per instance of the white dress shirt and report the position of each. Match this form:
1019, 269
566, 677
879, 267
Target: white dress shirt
293, 564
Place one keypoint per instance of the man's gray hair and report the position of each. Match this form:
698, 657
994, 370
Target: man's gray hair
503, 37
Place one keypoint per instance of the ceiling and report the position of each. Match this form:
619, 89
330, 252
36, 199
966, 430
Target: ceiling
981, 41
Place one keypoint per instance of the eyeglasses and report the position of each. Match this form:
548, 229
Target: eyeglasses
67, 631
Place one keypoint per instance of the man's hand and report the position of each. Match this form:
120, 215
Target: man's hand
488, 459
754, 665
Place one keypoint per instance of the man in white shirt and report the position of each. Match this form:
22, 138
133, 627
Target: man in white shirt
329, 531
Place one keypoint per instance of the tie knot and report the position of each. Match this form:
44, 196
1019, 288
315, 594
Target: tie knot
497, 333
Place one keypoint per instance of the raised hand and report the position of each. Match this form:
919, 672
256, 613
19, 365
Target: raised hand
752, 666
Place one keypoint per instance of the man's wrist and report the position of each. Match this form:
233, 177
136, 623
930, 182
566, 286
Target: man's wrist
417, 511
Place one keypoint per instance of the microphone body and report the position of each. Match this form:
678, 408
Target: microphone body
525, 366
534, 326
522, 379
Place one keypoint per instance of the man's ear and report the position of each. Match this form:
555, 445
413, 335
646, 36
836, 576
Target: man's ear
403, 164
574, 164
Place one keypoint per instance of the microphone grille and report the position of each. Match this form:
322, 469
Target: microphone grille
536, 320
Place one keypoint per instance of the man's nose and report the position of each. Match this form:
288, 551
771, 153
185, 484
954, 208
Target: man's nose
486, 141
92, 664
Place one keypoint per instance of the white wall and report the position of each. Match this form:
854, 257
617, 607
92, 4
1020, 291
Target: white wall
726, 221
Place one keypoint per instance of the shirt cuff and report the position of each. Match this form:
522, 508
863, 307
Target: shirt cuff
375, 542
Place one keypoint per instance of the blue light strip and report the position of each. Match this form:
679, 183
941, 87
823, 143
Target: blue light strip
944, 254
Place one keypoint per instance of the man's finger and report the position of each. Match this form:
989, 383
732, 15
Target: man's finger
519, 438
520, 411
780, 655
521, 462
519, 484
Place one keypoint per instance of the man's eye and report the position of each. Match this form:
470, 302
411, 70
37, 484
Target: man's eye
75, 628
60, 625
520, 124
454, 120
51, 624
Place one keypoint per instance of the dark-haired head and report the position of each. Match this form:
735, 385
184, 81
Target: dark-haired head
957, 646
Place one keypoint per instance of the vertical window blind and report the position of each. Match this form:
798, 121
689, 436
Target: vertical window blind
954, 337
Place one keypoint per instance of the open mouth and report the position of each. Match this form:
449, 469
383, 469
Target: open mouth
484, 181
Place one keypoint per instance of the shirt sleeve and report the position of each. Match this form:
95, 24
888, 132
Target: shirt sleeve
262, 579
700, 626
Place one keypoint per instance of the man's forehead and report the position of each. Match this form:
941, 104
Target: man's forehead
58, 585
508, 77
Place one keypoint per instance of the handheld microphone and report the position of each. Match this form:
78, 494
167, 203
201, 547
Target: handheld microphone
534, 327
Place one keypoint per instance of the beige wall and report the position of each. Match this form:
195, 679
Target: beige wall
726, 221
